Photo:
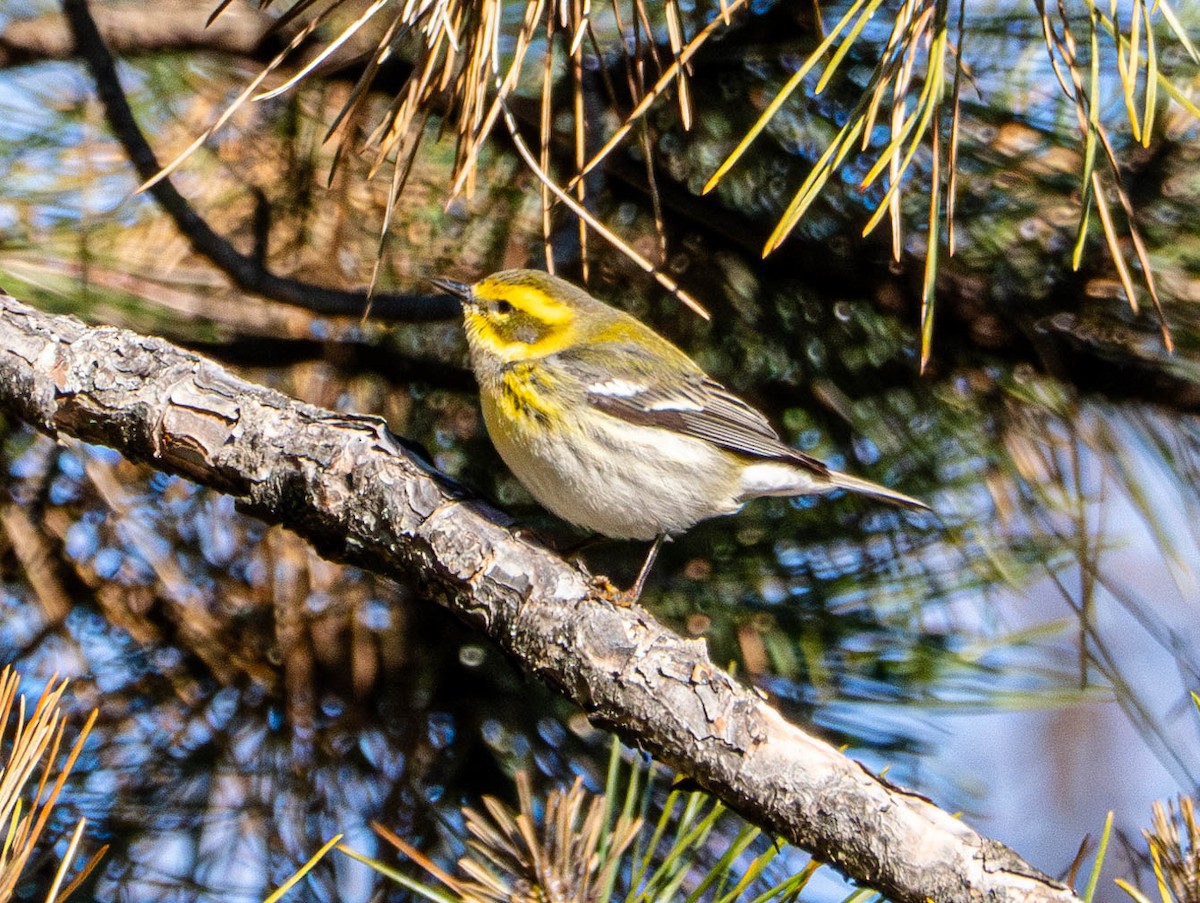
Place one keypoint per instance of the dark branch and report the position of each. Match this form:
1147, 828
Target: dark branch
358, 495
245, 271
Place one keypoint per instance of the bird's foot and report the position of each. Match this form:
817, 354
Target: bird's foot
606, 589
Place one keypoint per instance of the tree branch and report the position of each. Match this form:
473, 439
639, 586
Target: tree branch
358, 495
138, 28
244, 269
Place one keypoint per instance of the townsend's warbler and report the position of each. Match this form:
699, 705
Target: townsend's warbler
612, 427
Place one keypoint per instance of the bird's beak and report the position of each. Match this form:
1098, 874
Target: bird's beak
460, 290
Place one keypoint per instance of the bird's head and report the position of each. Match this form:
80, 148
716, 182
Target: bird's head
518, 315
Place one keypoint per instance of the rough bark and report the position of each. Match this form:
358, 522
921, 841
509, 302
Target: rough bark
359, 495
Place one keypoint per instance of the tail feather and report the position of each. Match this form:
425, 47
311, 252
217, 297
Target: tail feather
875, 491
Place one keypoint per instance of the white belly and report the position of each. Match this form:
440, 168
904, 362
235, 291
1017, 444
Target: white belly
648, 481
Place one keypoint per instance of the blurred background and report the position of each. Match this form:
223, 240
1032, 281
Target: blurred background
1025, 658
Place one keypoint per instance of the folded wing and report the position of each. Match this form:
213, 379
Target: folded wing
699, 407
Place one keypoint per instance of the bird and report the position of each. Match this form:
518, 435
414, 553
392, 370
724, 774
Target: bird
613, 428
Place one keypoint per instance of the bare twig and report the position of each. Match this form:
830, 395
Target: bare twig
245, 271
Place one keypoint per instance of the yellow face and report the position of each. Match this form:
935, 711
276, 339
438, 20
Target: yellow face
517, 316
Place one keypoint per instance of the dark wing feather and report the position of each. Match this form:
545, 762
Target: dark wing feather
699, 407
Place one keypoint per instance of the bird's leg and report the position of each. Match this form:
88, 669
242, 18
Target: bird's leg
636, 592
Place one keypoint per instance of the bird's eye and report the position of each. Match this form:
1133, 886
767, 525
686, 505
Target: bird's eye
504, 307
